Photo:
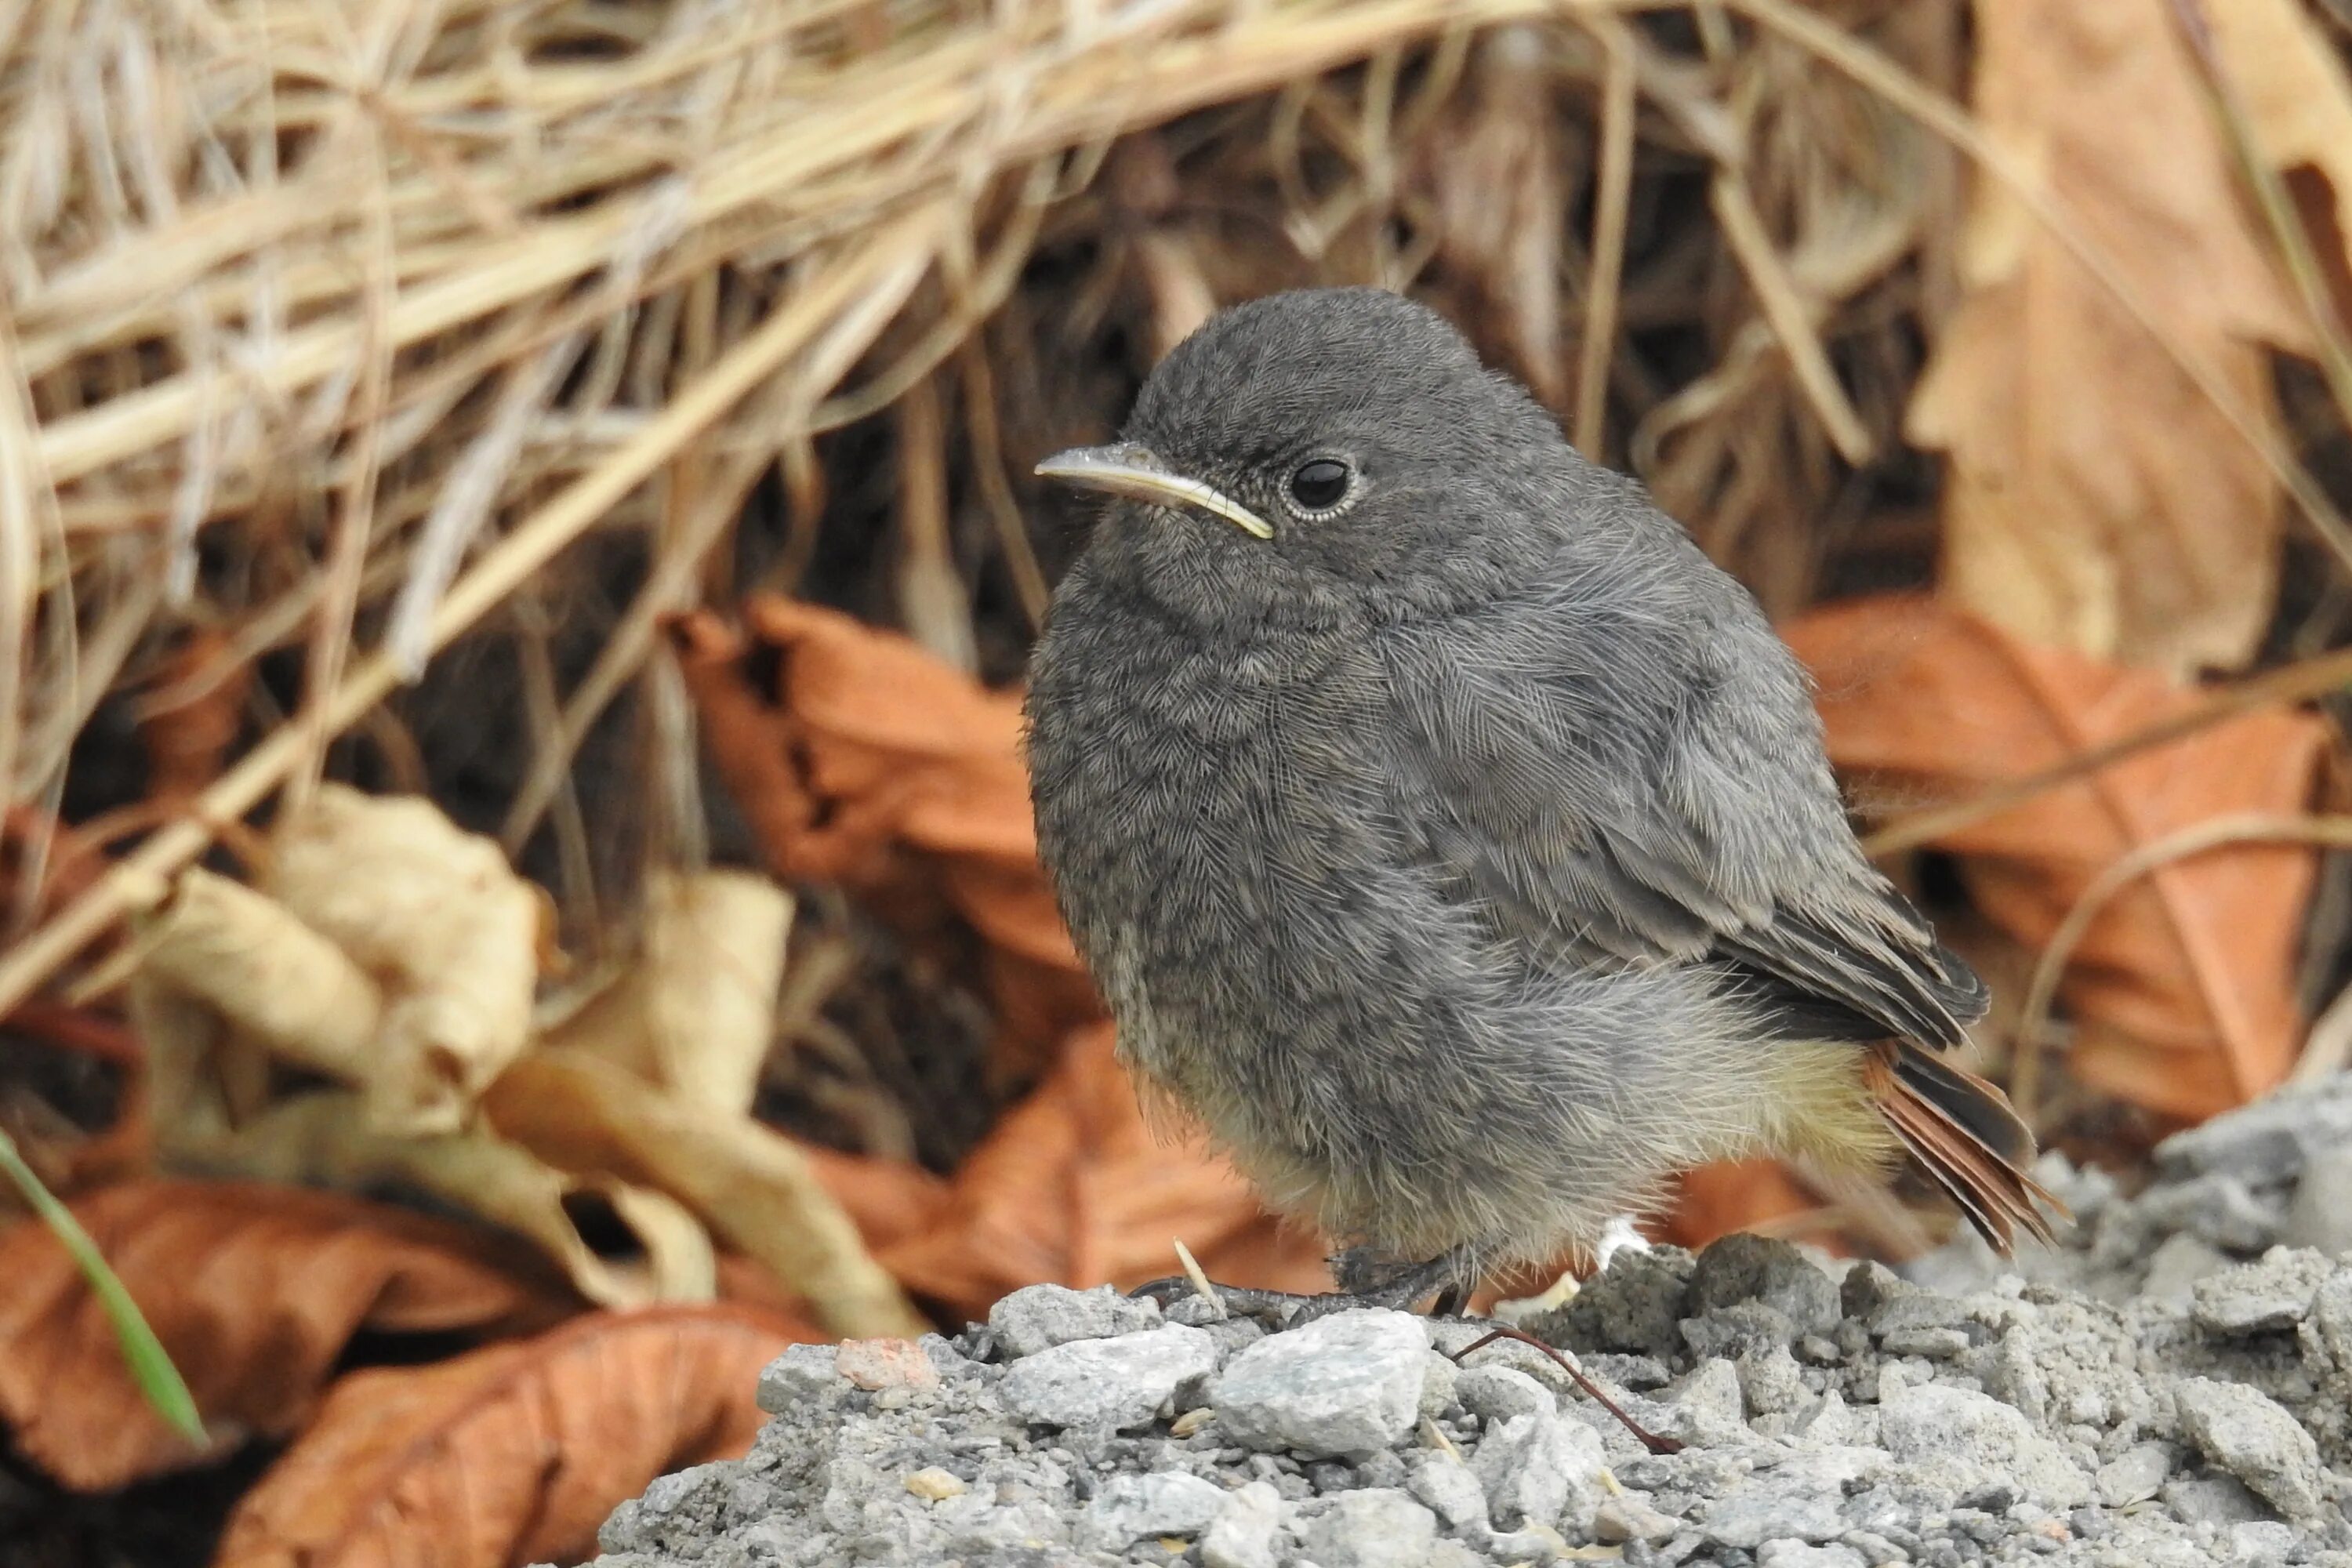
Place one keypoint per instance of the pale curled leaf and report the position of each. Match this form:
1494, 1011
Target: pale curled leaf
750, 1183
512, 1454
2295, 89
253, 966
255, 1290
2096, 499
438, 915
695, 1012
620, 1245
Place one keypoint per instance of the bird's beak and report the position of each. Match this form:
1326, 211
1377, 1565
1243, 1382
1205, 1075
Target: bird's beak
1134, 472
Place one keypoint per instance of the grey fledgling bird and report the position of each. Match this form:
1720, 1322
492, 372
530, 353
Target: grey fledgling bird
1448, 835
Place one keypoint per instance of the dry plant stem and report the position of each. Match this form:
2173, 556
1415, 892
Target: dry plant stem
2293, 683
136, 881
339, 605
1948, 119
995, 490
2034, 1015
1609, 207
1789, 316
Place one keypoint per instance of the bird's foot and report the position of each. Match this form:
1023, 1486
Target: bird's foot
1364, 1281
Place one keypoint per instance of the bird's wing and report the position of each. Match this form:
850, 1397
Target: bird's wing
1608, 780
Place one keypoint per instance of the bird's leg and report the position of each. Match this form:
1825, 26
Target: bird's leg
1655, 1442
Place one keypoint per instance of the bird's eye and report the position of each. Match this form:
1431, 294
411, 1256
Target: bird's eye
1319, 485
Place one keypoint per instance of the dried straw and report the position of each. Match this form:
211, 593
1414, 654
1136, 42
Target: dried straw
328, 329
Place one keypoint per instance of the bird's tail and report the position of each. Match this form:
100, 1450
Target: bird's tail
1963, 1133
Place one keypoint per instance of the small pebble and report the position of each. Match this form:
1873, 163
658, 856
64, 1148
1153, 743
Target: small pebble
934, 1484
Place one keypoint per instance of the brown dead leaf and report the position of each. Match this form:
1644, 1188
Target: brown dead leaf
511, 1454
906, 800
256, 1290
2181, 991
2096, 499
1073, 1185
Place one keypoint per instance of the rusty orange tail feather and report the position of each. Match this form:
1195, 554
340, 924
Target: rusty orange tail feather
1963, 1133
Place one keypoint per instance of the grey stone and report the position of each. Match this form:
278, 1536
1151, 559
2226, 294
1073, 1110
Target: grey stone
1935, 1344
1735, 1329
1743, 1268
2013, 1374
1916, 1312
803, 1371
2135, 1474
1039, 1317
1628, 1517
1771, 1382
1637, 1304
1241, 1535
2213, 1500
1346, 1385
2174, 1268
2266, 1297
1375, 1529
1541, 1469
1874, 1548
1867, 1288
1711, 1404
1760, 1510
2217, 1208
1499, 1392
1965, 1440
1118, 1383
2245, 1432
1438, 1376
2320, 1215
1797, 1555
1449, 1488
2260, 1543
1136, 1507
2267, 1141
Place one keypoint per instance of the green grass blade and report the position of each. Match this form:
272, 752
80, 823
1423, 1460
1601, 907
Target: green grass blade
150, 1367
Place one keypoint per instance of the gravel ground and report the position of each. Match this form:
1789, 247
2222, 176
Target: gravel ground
2171, 1389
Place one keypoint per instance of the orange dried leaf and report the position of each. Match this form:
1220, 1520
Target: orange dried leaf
511, 1454
256, 1290
2181, 991
1073, 1185
875, 765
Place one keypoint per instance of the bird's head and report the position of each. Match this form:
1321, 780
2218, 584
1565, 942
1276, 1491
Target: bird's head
1320, 454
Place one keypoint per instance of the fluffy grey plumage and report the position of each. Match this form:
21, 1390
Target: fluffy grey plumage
1464, 856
